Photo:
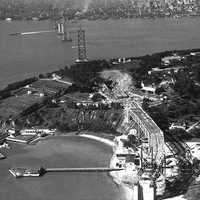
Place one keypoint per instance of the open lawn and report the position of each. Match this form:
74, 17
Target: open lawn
12, 106
49, 86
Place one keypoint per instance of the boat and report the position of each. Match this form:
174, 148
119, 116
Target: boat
25, 172
15, 34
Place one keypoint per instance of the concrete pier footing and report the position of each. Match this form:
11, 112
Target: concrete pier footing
148, 193
136, 192
144, 192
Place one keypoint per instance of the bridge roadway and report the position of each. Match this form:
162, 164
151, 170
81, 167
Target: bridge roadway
147, 125
149, 128
155, 135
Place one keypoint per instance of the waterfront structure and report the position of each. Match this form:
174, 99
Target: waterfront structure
27, 172
37, 131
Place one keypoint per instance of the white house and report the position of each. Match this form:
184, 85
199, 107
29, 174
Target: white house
149, 89
35, 131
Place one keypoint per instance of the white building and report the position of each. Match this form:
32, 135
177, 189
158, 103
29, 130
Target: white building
149, 89
168, 59
35, 131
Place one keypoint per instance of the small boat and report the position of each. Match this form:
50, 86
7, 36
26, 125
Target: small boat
24, 172
15, 34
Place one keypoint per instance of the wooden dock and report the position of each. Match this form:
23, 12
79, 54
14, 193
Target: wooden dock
27, 172
92, 169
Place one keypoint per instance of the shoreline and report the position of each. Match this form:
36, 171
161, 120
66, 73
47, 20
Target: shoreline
127, 191
74, 20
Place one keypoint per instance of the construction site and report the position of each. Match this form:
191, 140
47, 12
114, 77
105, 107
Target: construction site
150, 162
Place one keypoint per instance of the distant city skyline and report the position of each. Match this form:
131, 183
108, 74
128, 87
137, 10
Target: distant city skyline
93, 9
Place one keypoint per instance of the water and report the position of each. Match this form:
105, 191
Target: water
30, 55
59, 152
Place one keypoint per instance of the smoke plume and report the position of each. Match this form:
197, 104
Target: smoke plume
86, 5
122, 82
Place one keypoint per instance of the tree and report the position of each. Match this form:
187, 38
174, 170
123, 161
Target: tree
180, 134
160, 117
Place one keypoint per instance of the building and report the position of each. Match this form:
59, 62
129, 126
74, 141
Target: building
148, 88
169, 59
36, 131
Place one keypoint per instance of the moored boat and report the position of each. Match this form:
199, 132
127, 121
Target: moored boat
25, 172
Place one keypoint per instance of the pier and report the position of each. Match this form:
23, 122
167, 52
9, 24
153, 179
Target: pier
27, 172
92, 169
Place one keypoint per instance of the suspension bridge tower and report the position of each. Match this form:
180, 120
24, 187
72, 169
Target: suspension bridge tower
82, 57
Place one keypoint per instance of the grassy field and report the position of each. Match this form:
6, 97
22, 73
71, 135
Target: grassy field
49, 86
12, 106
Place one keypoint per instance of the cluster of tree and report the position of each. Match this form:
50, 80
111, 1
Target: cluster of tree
178, 109
6, 92
196, 71
85, 73
195, 132
30, 109
185, 85
159, 115
180, 134
70, 119
19, 84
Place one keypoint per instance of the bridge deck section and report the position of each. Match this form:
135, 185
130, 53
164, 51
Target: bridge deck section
151, 130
